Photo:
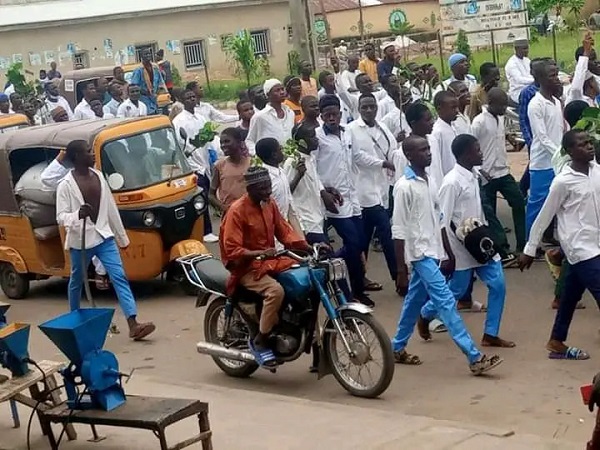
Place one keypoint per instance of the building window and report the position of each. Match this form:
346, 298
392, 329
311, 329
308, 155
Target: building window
261, 42
81, 59
139, 49
193, 54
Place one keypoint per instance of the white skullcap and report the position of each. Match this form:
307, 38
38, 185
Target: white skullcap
270, 84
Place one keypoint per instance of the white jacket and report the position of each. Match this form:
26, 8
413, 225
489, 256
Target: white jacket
68, 202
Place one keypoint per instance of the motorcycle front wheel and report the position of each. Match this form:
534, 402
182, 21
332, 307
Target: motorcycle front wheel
237, 337
367, 370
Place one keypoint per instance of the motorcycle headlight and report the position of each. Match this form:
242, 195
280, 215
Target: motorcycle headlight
337, 269
199, 203
149, 218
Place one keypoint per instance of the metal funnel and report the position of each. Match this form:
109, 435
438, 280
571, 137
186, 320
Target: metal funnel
79, 332
3, 308
14, 343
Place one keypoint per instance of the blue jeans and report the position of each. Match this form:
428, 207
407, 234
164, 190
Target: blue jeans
538, 191
351, 231
376, 219
427, 280
492, 275
579, 277
108, 254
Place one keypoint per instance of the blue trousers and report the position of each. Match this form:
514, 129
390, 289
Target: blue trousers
376, 219
351, 231
427, 280
538, 191
492, 275
108, 254
579, 277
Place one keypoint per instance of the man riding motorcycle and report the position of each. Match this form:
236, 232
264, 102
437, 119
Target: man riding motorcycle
247, 244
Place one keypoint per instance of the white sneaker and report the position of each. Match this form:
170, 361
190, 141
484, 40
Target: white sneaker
211, 238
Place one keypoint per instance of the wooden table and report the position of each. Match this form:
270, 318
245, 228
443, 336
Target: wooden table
146, 413
12, 389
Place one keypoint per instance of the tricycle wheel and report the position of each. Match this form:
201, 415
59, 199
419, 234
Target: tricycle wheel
367, 370
237, 337
14, 284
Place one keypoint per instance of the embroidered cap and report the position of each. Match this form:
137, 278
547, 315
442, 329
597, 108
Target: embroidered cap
270, 84
57, 112
256, 174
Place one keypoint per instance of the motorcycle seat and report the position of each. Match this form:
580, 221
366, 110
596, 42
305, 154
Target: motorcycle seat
213, 274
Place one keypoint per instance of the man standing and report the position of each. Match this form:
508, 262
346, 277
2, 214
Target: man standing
387, 64
84, 196
309, 84
442, 136
54, 100
462, 123
165, 68
490, 78
83, 110
394, 119
518, 70
293, 89
459, 66
98, 109
16, 102
347, 80
133, 106
102, 90
276, 120
116, 98
150, 81
208, 111
53, 73
119, 78
4, 104
368, 65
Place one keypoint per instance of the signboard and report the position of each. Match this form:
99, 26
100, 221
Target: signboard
506, 19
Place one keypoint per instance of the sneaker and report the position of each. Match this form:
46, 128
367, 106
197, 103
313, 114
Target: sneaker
509, 261
211, 238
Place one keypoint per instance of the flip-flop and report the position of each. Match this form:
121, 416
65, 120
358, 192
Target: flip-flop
403, 357
143, 330
264, 358
476, 307
437, 326
572, 353
485, 364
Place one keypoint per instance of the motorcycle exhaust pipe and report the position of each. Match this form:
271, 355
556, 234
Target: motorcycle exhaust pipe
206, 348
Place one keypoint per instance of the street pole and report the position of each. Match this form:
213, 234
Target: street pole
361, 23
299, 29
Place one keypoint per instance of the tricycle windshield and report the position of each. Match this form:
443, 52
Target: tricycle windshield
143, 159
13, 128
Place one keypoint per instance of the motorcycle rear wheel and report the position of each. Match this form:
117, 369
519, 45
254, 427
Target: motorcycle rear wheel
363, 354
214, 316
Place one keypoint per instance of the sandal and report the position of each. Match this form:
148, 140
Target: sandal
474, 307
372, 286
485, 364
403, 357
264, 357
437, 326
571, 353
102, 282
141, 331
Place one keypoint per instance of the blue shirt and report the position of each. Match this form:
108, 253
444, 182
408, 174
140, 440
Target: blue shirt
524, 99
149, 97
384, 67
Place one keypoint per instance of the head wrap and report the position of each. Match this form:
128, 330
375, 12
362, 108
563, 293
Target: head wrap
455, 59
57, 112
270, 84
329, 100
388, 44
521, 42
3, 98
255, 175
289, 79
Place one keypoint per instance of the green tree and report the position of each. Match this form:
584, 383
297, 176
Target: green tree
462, 44
572, 6
240, 49
15, 74
402, 29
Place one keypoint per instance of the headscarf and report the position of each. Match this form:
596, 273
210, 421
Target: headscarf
455, 59
270, 84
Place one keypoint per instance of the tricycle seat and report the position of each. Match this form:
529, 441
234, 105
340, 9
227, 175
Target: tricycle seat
213, 274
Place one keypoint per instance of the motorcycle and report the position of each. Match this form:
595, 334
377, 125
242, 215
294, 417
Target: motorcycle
351, 343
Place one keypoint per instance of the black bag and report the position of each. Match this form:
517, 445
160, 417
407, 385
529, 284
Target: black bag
477, 240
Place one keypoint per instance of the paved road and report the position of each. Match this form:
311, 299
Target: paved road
528, 393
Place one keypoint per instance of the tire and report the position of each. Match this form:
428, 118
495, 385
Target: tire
211, 317
387, 372
176, 274
14, 284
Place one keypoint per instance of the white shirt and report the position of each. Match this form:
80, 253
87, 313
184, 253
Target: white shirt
347, 79
462, 124
266, 124
212, 114
192, 124
575, 92
334, 167
460, 200
52, 175
83, 111
417, 219
281, 189
50, 106
574, 199
518, 74
385, 106
351, 99
440, 142
128, 109
68, 202
371, 147
345, 109
307, 196
112, 107
490, 132
395, 121
469, 80
547, 129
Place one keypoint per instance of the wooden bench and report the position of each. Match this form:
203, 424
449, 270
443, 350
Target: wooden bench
146, 413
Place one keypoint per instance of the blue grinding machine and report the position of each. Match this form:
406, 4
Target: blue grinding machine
14, 342
80, 335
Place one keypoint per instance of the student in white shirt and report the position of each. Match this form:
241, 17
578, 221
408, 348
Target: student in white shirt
574, 199
54, 100
518, 70
114, 89
328, 87
421, 241
390, 102
334, 167
208, 111
84, 204
488, 128
372, 146
462, 123
83, 109
547, 128
276, 120
133, 106
270, 153
442, 135
460, 201
459, 66
584, 86
347, 79
364, 84
98, 109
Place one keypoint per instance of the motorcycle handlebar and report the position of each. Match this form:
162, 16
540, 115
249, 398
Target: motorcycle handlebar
316, 249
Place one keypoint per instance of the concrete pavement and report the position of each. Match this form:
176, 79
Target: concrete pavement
257, 421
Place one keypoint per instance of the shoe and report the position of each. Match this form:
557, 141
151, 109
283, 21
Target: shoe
211, 238
376, 246
509, 261
365, 300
